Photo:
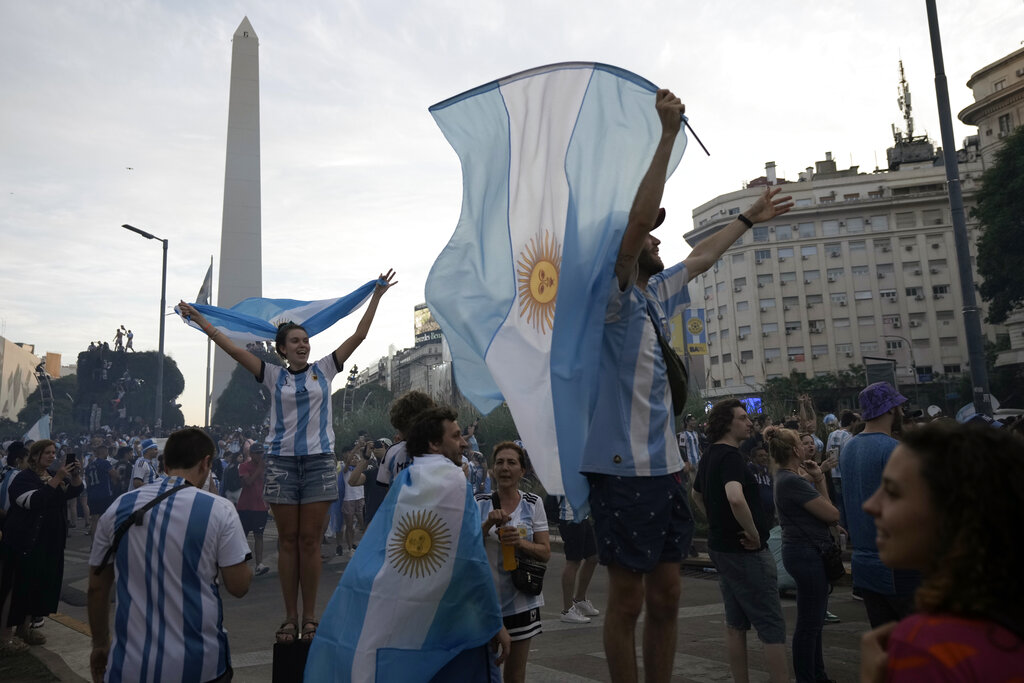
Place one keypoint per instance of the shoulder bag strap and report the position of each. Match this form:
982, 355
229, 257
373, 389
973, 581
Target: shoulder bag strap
135, 518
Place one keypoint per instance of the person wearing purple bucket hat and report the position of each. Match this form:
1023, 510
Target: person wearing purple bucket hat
888, 594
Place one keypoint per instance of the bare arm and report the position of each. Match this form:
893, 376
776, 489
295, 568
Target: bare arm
348, 346
805, 413
244, 358
237, 578
98, 600
699, 500
644, 212
710, 249
741, 511
821, 507
539, 548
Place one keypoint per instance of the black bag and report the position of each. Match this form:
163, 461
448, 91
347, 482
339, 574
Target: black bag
832, 557
528, 576
675, 369
290, 661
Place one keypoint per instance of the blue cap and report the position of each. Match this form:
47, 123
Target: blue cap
147, 444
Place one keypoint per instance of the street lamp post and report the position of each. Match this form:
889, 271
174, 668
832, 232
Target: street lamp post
913, 365
163, 306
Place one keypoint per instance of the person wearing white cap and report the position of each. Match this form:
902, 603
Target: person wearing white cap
145, 467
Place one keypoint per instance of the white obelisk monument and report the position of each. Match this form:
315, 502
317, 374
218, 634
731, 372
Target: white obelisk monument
241, 255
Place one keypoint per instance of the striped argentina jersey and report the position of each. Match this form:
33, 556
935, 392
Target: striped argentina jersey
168, 616
632, 428
529, 517
300, 408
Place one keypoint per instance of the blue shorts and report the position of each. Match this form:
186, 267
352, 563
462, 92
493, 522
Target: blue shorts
640, 521
578, 540
750, 590
97, 506
254, 521
296, 480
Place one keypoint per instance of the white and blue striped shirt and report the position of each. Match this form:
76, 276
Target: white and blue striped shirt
168, 616
395, 460
529, 517
300, 408
632, 431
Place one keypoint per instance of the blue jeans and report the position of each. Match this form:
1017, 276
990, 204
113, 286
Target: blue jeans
804, 564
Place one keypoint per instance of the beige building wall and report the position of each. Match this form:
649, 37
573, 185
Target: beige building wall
864, 265
998, 102
17, 377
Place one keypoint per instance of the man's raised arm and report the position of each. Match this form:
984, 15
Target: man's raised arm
643, 215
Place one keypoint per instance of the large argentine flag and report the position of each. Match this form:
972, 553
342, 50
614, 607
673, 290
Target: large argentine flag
551, 161
418, 590
256, 319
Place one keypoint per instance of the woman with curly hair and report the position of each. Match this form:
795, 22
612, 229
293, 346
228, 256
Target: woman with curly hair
805, 512
950, 506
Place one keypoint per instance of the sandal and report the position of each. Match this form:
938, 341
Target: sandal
12, 647
288, 633
309, 627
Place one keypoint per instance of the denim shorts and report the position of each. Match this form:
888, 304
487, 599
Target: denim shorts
640, 521
295, 480
749, 584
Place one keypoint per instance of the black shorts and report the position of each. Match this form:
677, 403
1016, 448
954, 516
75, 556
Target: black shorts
524, 625
97, 506
253, 520
578, 540
640, 521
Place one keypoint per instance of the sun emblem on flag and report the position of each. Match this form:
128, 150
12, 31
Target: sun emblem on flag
420, 544
537, 273
695, 326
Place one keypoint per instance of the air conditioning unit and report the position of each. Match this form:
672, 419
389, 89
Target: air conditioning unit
886, 249
760, 285
758, 261
849, 354
867, 221
807, 282
919, 297
810, 305
896, 324
742, 337
834, 254
933, 271
814, 356
720, 316
917, 271
767, 360
832, 278
765, 334
938, 221
789, 332
737, 289
816, 330
892, 299
743, 361
804, 257
890, 352
706, 297
782, 259
792, 358
842, 303
937, 296
909, 247
881, 276
914, 323
935, 245
763, 309
842, 224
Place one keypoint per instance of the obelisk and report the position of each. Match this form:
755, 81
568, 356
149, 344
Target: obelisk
241, 256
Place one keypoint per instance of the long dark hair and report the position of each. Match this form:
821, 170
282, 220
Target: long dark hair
975, 478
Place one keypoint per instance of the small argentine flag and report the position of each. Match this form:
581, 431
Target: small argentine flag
418, 590
255, 319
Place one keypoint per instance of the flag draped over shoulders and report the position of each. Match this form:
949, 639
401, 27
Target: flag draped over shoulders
551, 162
256, 319
418, 590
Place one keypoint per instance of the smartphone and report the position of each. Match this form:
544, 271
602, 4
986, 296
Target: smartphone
69, 458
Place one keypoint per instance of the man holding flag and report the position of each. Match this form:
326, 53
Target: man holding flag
631, 457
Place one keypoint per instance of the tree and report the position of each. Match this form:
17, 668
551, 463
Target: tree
62, 419
1000, 212
112, 379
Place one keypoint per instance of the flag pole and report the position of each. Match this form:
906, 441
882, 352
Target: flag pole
209, 345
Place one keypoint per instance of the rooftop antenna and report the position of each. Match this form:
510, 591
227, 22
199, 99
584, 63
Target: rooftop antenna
905, 106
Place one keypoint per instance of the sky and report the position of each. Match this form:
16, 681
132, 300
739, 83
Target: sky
116, 112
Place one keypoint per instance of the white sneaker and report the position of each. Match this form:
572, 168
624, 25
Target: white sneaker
574, 616
586, 608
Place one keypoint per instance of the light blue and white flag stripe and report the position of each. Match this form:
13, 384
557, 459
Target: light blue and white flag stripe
256, 319
551, 161
418, 590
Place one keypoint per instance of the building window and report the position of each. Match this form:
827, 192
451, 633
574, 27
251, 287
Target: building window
858, 245
833, 249
905, 219
884, 269
893, 320
812, 275
854, 225
739, 282
879, 223
859, 271
765, 279
819, 349
767, 303
868, 347
887, 294
720, 287
999, 85
790, 301
808, 250
722, 310
876, 194
806, 230
733, 211
761, 234
1004, 125
835, 274
787, 277
813, 299
838, 298
772, 353
726, 357
804, 201
893, 344
783, 232
844, 348
762, 254
830, 228
953, 369
744, 330
939, 290
785, 252
932, 216
862, 295
865, 320
840, 322
742, 306
737, 258
725, 335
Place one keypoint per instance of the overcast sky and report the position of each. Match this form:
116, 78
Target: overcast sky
116, 112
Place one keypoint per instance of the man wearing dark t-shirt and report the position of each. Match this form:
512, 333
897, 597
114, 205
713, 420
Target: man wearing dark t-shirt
737, 542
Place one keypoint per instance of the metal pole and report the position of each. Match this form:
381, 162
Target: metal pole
972, 316
160, 359
209, 346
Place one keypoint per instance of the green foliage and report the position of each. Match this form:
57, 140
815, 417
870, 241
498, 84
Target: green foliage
62, 419
244, 402
371, 404
495, 427
139, 399
779, 395
1000, 211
